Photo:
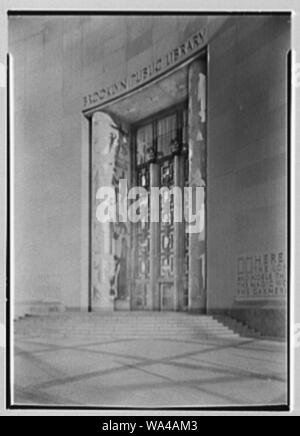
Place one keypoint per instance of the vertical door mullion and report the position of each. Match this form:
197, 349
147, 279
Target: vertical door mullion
177, 238
179, 227
154, 245
154, 232
133, 229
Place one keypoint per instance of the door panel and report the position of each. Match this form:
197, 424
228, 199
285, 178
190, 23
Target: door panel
167, 297
161, 249
166, 230
140, 297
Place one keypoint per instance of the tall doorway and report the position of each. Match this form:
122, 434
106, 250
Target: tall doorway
161, 248
155, 137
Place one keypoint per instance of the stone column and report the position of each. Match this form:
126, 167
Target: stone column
197, 178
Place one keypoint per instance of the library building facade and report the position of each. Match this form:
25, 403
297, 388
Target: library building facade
125, 102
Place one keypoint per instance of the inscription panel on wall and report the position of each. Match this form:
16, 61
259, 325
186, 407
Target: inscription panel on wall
261, 276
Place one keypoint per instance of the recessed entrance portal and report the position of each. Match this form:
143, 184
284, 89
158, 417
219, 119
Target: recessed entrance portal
161, 249
155, 137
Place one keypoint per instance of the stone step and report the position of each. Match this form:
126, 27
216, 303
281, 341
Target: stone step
238, 327
45, 308
145, 327
129, 325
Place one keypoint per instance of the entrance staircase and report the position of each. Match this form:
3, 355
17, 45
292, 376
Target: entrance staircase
125, 325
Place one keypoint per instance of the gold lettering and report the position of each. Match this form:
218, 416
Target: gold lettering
138, 77
92, 99
176, 54
158, 65
196, 41
169, 59
189, 45
102, 94
95, 97
200, 34
124, 83
182, 48
152, 69
145, 73
110, 91
133, 79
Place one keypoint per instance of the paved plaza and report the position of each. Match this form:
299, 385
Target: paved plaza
143, 360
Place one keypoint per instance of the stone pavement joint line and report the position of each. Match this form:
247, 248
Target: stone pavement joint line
141, 359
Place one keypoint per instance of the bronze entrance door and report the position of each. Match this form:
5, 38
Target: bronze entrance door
160, 279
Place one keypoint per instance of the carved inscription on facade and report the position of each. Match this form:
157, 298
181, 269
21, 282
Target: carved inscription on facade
146, 72
261, 276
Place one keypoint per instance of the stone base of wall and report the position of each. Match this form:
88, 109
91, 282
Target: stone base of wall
193, 310
270, 322
37, 308
121, 304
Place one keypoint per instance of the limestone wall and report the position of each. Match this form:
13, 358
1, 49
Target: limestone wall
61, 60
